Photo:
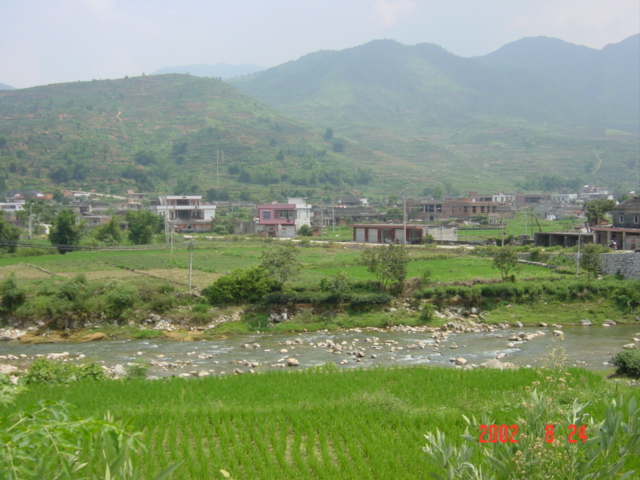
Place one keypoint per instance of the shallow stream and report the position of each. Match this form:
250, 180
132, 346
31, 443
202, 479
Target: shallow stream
589, 347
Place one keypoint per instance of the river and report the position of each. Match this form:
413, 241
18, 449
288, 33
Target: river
588, 347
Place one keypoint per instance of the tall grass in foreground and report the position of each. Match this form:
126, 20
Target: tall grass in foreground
313, 424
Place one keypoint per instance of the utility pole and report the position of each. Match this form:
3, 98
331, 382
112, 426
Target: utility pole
30, 217
578, 255
190, 261
404, 220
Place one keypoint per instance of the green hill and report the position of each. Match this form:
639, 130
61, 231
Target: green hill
164, 133
379, 119
432, 117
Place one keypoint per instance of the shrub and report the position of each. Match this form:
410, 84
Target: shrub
600, 454
628, 363
242, 286
12, 295
426, 313
48, 371
119, 298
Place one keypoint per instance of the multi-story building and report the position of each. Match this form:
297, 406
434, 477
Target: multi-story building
186, 213
283, 219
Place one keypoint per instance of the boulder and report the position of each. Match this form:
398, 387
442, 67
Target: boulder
119, 371
57, 356
293, 362
493, 363
92, 337
629, 346
609, 322
585, 323
7, 369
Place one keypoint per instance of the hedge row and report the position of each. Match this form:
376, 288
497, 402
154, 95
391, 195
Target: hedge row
626, 294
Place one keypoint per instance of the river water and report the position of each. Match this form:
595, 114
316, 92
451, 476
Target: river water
588, 347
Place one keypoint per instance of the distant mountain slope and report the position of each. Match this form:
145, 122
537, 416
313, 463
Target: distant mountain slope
384, 82
610, 75
164, 133
467, 122
5, 87
219, 70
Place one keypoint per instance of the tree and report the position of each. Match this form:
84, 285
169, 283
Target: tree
590, 260
143, 225
597, 209
108, 233
9, 236
387, 263
65, 233
328, 134
305, 231
506, 260
282, 262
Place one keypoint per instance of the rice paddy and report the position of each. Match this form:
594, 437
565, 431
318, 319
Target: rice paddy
316, 424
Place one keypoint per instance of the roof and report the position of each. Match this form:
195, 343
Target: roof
633, 204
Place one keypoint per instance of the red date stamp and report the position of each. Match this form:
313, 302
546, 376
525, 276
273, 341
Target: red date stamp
508, 433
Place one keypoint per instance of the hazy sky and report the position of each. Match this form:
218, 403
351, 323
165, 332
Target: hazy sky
51, 41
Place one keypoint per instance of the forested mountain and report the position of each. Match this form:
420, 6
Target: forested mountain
383, 118
5, 87
163, 133
473, 122
610, 75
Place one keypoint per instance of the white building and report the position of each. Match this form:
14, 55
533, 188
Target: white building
186, 213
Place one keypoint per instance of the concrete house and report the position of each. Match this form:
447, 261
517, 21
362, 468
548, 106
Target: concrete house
624, 234
186, 213
283, 220
395, 233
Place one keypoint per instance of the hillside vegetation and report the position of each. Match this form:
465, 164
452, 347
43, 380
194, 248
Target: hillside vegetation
175, 133
379, 119
472, 123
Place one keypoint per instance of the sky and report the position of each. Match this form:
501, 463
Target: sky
54, 41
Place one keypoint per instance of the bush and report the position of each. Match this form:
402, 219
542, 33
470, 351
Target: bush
12, 295
119, 298
48, 371
242, 286
628, 363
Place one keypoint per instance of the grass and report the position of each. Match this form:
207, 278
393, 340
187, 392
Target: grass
313, 424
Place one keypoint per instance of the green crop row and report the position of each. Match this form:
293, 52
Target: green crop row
321, 423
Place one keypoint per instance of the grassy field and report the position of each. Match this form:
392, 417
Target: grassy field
318, 424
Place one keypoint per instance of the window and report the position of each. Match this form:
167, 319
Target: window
621, 218
266, 215
636, 219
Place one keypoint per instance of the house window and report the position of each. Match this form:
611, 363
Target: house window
266, 215
636, 219
621, 219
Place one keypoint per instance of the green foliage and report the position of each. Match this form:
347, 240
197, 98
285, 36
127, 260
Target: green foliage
12, 295
241, 286
65, 233
48, 442
282, 262
597, 209
506, 260
628, 363
9, 236
137, 370
338, 284
305, 231
590, 259
50, 371
609, 444
108, 233
143, 225
387, 263
426, 312
119, 298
